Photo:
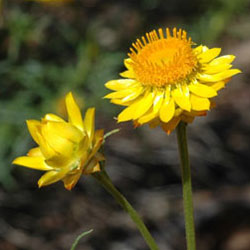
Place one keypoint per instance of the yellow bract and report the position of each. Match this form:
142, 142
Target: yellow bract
66, 150
167, 80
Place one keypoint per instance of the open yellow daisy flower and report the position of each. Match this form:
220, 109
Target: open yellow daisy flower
168, 81
66, 150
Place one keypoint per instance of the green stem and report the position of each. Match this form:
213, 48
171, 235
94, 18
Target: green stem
103, 178
186, 186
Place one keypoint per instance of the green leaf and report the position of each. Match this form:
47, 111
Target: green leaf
73, 247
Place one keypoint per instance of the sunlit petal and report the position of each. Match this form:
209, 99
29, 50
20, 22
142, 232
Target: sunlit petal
74, 112
35, 152
209, 55
149, 116
52, 117
218, 77
199, 103
127, 113
144, 105
120, 84
89, 123
181, 97
158, 100
35, 162
51, 177
34, 128
202, 90
227, 59
167, 111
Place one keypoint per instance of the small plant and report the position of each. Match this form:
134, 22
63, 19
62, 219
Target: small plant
167, 83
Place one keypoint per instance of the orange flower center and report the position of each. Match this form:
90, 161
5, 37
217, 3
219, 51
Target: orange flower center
160, 61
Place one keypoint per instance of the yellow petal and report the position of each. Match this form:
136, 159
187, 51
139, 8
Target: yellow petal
122, 93
51, 177
83, 147
181, 97
128, 74
120, 84
202, 90
58, 161
167, 94
220, 76
214, 69
74, 112
227, 59
35, 152
137, 108
200, 49
158, 100
121, 103
128, 63
128, 113
59, 144
34, 128
218, 85
167, 111
89, 123
34, 162
65, 130
152, 113
199, 103
136, 92
45, 148
209, 55
144, 105
52, 117
149, 116
98, 140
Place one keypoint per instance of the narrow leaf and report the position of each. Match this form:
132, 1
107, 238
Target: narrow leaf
73, 247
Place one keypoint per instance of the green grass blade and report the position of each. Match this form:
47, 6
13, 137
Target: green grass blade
73, 247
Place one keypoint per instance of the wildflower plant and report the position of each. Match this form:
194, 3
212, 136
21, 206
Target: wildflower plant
168, 82
69, 149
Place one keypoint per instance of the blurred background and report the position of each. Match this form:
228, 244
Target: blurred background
49, 49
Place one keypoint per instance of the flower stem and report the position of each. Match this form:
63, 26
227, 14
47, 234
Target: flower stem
103, 178
186, 185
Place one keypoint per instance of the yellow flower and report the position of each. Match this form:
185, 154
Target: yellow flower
168, 81
66, 150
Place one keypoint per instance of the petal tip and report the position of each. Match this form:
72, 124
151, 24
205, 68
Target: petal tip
39, 184
15, 161
69, 94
